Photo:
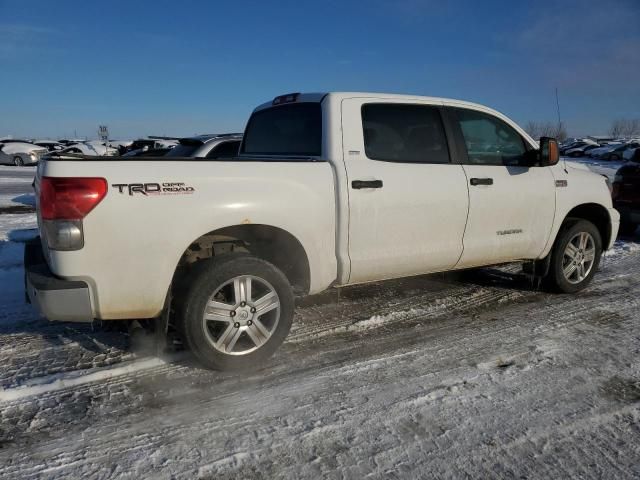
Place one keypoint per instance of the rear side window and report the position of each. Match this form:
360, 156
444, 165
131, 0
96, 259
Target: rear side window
489, 140
292, 129
225, 150
404, 133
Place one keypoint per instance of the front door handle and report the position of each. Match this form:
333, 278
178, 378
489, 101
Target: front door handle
358, 184
481, 181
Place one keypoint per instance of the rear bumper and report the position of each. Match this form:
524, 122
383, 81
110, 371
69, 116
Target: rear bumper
57, 299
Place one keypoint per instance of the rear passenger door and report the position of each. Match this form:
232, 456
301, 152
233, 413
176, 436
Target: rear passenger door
407, 201
511, 204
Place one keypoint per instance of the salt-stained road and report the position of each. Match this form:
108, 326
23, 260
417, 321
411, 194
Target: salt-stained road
478, 375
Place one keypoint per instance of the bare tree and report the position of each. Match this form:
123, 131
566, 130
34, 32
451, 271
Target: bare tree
625, 127
546, 129
533, 129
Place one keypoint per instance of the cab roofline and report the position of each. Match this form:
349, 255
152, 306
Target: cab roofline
318, 97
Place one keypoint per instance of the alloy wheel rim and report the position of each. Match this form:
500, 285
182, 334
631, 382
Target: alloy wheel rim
579, 257
241, 315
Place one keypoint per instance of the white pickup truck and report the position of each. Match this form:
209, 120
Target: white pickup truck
327, 190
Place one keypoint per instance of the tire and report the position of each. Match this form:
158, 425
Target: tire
17, 161
614, 157
234, 336
560, 256
627, 229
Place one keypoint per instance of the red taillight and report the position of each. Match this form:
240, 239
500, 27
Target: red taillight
70, 198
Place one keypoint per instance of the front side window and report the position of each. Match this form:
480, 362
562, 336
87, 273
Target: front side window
294, 129
489, 140
395, 132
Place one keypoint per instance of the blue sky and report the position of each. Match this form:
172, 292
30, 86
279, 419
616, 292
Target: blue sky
178, 68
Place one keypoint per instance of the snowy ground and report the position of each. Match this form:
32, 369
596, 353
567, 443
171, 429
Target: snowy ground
16, 193
471, 375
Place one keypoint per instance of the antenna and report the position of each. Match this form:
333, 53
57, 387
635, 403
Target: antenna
558, 107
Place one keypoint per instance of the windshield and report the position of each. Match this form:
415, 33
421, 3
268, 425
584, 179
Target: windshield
292, 129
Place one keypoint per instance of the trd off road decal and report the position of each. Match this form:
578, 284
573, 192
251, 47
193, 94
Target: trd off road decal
166, 188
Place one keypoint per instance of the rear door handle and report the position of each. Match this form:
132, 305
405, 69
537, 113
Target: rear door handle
481, 181
358, 184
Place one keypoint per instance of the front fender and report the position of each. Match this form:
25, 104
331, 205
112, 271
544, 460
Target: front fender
582, 188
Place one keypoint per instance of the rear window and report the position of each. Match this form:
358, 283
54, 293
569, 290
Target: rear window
293, 129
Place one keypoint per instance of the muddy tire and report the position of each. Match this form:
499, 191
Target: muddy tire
236, 312
575, 256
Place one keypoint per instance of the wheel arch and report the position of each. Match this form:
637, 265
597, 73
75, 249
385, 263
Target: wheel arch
596, 214
270, 243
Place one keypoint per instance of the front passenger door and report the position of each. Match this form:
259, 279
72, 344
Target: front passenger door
511, 204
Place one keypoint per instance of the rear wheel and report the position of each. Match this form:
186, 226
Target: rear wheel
575, 257
237, 312
18, 161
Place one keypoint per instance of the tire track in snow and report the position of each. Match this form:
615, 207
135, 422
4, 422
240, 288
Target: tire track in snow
444, 337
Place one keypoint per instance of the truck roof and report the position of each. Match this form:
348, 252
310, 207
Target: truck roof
320, 96
337, 97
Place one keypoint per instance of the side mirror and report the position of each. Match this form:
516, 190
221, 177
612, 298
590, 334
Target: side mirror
549, 152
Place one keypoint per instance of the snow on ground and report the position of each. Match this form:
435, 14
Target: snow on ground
14, 231
15, 186
477, 374
18, 227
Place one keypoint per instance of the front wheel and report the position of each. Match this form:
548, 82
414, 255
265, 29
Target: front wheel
237, 312
18, 161
575, 256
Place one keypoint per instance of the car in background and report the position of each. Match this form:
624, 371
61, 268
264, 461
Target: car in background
20, 153
604, 148
626, 194
123, 146
92, 148
152, 143
71, 141
224, 145
151, 152
581, 151
50, 145
615, 152
577, 144
629, 153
